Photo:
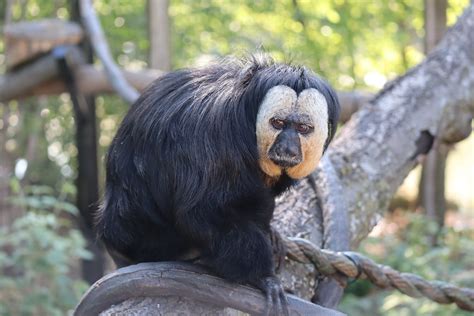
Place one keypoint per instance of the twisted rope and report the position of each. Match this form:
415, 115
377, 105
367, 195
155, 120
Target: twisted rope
347, 264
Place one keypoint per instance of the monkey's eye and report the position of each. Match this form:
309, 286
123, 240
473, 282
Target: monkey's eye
304, 128
277, 123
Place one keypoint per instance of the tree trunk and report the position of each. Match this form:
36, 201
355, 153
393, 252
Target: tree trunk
87, 177
8, 211
431, 189
159, 35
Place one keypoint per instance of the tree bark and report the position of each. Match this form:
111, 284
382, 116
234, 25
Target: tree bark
378, 147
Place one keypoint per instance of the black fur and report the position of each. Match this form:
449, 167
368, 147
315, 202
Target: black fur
183, 172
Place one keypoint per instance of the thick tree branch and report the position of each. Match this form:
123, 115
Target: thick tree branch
197, 291
378, 147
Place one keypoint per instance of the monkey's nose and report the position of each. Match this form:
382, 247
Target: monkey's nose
291, 152
285, 157
286, 150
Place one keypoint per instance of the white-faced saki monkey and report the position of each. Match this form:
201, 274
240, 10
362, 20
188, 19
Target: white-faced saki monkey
199, 158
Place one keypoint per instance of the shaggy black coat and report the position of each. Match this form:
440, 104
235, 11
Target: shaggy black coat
183, 170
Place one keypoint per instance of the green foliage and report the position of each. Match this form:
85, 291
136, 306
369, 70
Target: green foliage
410, 251
353, 44
37, 254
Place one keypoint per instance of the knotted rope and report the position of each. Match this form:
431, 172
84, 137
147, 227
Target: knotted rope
347, 264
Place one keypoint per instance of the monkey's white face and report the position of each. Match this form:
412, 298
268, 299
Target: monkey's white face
291, 131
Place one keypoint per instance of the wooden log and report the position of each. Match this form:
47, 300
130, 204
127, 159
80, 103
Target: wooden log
25, 41
179, 287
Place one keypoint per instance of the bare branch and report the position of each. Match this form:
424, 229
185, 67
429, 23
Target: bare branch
101, 49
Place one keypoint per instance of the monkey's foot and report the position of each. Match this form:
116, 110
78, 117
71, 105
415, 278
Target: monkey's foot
276, 302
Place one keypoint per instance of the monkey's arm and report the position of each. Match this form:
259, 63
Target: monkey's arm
237, 249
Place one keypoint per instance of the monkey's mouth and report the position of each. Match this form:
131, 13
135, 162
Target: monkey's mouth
285, 162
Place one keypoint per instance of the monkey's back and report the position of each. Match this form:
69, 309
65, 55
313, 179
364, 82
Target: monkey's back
185, 143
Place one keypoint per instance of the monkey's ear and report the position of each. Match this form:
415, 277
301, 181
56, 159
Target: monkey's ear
333, 114
252, 64
331, 132
247, 73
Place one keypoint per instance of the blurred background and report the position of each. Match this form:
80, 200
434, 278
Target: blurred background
358, 45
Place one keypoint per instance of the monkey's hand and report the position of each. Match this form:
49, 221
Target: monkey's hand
276, 302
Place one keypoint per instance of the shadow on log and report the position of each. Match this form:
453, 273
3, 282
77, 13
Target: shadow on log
172, 287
